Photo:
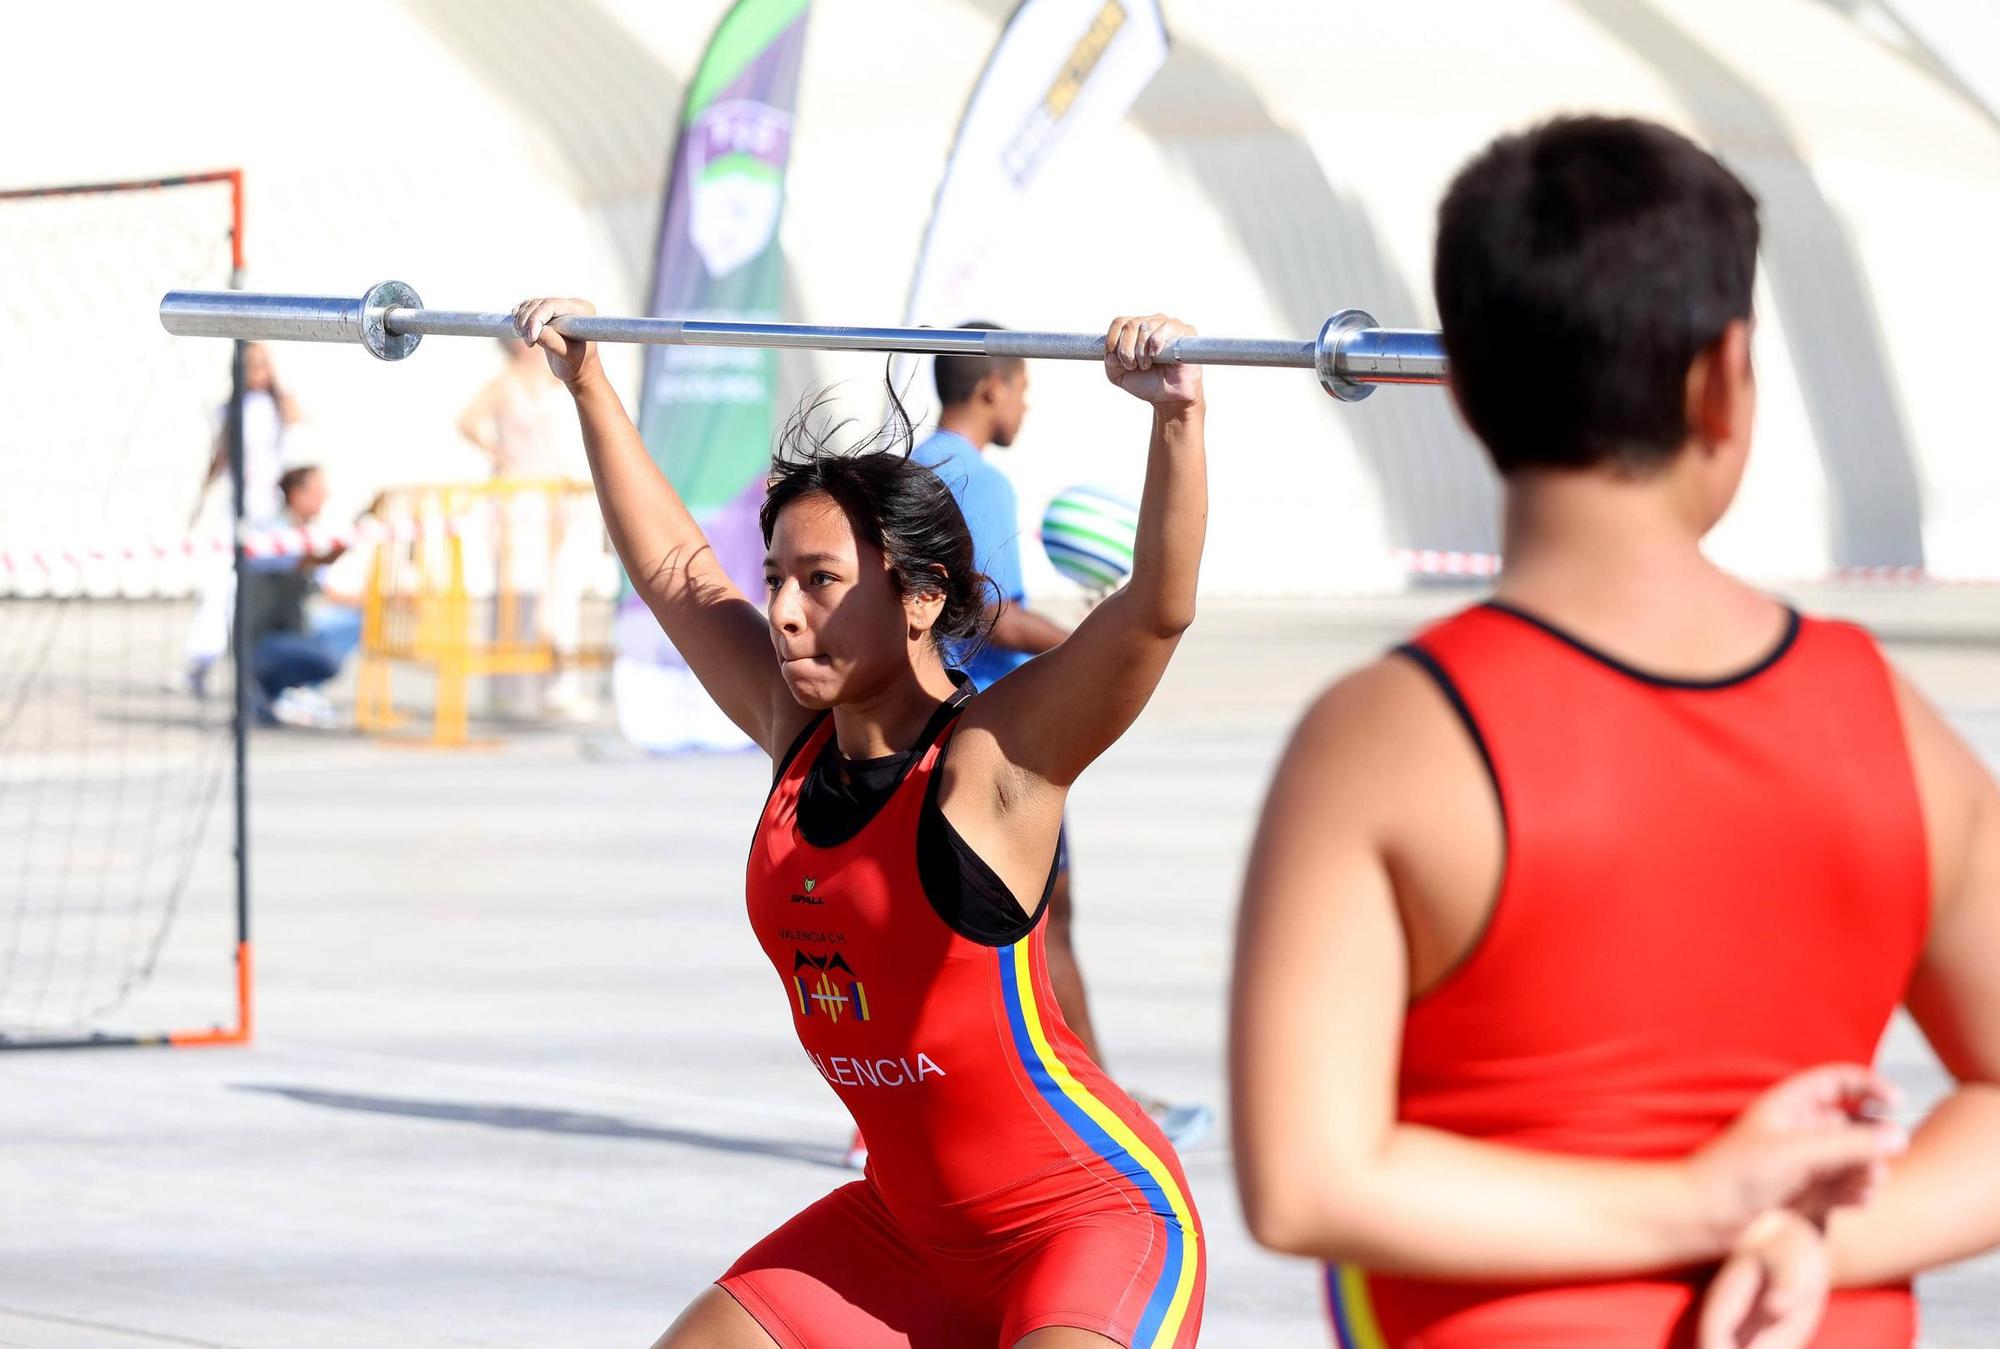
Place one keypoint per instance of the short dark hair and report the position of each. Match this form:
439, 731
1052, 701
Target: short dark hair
292, 479
958, 376
1581, 267
894, 503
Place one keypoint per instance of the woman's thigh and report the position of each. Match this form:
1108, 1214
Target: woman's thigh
1134, 1279
843, 1275
715, 1320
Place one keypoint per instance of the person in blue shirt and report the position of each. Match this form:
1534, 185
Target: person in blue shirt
982, 401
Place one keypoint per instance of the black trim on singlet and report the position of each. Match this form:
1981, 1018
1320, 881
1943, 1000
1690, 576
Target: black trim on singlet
1611, 662
830, 752
964, 891
784, 763
1430, 665
791, 753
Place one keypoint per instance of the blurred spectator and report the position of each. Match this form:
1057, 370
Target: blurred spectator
524, 423
268, 410
522, 420
289, 660
334, 614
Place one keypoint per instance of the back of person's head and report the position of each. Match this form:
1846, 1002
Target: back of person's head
958, 376
1581, 268
894, 504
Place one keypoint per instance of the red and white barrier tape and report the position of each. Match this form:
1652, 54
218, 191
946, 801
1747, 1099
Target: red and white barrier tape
294, 542
1888, 576
1434, 562
257, 543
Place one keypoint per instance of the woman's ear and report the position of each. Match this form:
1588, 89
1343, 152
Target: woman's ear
922, 611
921, 608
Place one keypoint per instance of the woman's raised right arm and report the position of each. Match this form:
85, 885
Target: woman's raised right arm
722, 635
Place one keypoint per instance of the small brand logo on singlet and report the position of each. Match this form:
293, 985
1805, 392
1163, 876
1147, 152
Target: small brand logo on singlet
827, 986
810, 884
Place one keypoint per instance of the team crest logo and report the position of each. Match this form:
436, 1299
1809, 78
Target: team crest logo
811, 884
736, 165
827, 986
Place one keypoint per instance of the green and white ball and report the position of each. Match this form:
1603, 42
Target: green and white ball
1088, 534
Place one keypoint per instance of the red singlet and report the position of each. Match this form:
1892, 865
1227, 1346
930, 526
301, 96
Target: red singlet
1708, 886
1010, 1185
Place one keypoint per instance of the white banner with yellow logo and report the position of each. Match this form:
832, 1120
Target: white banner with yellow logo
1062, 71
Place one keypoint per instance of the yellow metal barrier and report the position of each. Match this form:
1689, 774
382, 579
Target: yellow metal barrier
518, 554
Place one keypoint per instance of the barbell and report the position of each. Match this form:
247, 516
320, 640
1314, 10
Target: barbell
1351, 354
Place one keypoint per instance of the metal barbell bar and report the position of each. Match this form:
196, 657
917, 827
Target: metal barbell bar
1351, 354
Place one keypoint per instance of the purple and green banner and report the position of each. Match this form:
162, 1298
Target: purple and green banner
707, 413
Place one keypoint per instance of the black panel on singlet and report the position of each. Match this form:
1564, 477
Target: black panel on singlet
841, 795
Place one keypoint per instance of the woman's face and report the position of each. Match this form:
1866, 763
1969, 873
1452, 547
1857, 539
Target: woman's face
840, 629
256, 367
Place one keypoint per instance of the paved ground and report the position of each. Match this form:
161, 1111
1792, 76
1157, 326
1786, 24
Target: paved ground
520, 1077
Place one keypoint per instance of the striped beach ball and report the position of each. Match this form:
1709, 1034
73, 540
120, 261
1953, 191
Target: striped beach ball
1088, 535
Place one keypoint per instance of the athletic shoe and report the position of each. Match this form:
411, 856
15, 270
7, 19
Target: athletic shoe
324, 714
305, 707
1184, 1125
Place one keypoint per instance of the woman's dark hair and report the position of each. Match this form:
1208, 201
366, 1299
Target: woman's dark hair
1581, 267
893, 502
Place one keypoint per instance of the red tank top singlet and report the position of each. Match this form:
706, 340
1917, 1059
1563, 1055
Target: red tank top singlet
985, 1118
1708, 886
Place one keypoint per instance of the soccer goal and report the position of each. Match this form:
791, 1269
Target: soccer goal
123, 874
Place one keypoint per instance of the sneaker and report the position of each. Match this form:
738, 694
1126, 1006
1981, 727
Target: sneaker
1184, 1125
305, 707
857, 1153
324, 713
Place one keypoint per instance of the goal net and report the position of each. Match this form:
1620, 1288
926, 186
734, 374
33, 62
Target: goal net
120, 917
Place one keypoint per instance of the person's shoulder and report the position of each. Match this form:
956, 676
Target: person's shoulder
962, 466
1823, 630
938, 449
1383, 703
982, 475
1378, 751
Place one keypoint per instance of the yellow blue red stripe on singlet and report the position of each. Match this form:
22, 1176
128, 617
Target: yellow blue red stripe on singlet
1352, 1311
1107, 1136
